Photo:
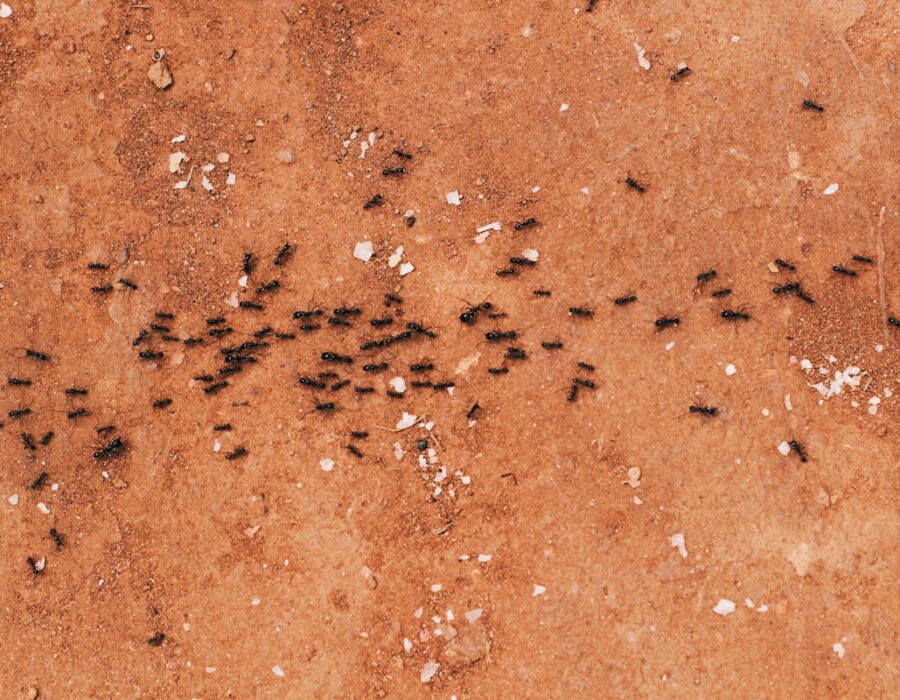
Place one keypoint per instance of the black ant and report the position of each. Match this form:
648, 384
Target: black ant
541, 292
374, 202
334, 321
419, 328
215, 332
513, 353
814, 106
841, 270
19, 412
57, 538
311, 383
268, 287
158, 328
375, 368
15, 381
36, 355
309, 313
586, 383
527, 223
440, 386
309, 327
127, 283
248, 263
334, 357
285, 336
217, 321
352, 449
222, 427
28, 442
327, 406
469, 316
34, 566
798, 448
392, 299
421, 367
894, 321
573, 393
581, 311
149, 355
337, 386
507, 272
193, 341
401, 154
347, 311
709, 411
162, 403
359, 434
635, 185
705, 277
625, 300
393, 172
381, 322
364, 389
202, 377
251, 305
719, 293
784, 265
116, 445
235, 454
738, 315
497, 336
47, 437
470, 414
157, 640
328, 375
587, 366
77, 413
102, 289
214, 388
98, 266
679, 74
666, 321
498, 370
590, 6
40, 481
551, 345
283, 254
863, 259
522, 262
229, 370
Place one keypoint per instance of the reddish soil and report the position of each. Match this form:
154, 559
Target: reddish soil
184, 574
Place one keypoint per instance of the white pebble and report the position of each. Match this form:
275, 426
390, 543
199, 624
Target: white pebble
784, 449
406, 268
242, 281
454, 198
14, 499
395, 259
363, 251
564, 107
436, 587
643, 61
179, 138
724, 607
5, 10
538, 589
730, 369
398, 384
326, 464
231, 179
484, 558
428, 671
277, 671
232, 300
531, 254
806, 364
677, 540
255, 601
765, 411
472, 616
406, 421
831, 189
43, 508
839, 649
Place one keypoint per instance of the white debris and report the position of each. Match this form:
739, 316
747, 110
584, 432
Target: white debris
175, 161
724, 607
677, 540
43, 508
873, 405
494, 226
242, 281
255, 601
481, 237
14, 499
762, 608
208, 168
398, 384
879, 348
217, 446
277, 671
806, 364
406, 268
363, 251
428, 671
326, 464
395, 259
484, 558
839, 649
730, 369
5, 10
436, 587
564, 107
207, 185
643, 61
223, 157
670, 345
40, 564
831, 189
784, 449
538, 589
454, 198
531, 254
179, 139
232, 300
408, 420
851, 377
735, 38
748, 602
398, 451
787, 402
765, 411
472, 616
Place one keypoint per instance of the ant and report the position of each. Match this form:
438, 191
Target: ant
586, 366
334, 357
421, 367
36, 355
98, 266
57, 538
666, 321
40, 481
551, 345
719, 293
77, 413
364, 389
470, 414
541, 292
28, 442
15, 381
395, 172
215, 332
222, 427
283, 254
513, 353
401, 154
312, 383
469, 316
590, 6
158, 328
507, 272
625, 300
522, 262
231, 369
251, 305
738, 315
165, 315
35, 569
798, 448
19, 412
894, 321
309, 327
581, 311
103, 289
268, 287
496, 336
214, 388
814, 106
679, 74
235, 454
374, 202
263, 332
327, 406
162, 403
573, 393
587, 383
392, 299
635, 185
527, 223
705, 277
309, 313
375, 368
217, 321
421, 384
337, 386
47, 437
285, 336
352, 449
381, 322
419, 328
708, 411
841, 270
127, 283
440, 386
116, 445
339, 322
148, 355
863, 259
784, 265
157, 640
202, 377
347, 311
359, 434
248, 263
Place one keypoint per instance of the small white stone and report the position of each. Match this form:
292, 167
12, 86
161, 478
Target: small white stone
207, 185
232, 300
839, 649
730, 369
395, 259
242, 281
472, 616
14, 499
484, 558
765, 411
175, 160
43, 508
179, 138
428, 671
223, 157
454, 198
406, 421
677, 540
363, 251
643, 61
538, 589
217, 446
735, 38
784, 449
670, 345
724, 607
564, 107
398, 384
407, 645
831, 189
436, 587
231, 179
531, 254
277, 671
406, 268
806, 364
255, 601
326, 464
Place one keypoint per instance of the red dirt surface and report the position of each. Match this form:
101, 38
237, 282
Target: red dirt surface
271, 577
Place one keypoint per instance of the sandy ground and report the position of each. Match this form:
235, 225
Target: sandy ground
614, 546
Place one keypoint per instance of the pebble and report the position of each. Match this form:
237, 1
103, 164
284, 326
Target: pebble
285, 155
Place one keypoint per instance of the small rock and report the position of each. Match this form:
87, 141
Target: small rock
160, 75
469, 646
285, 155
